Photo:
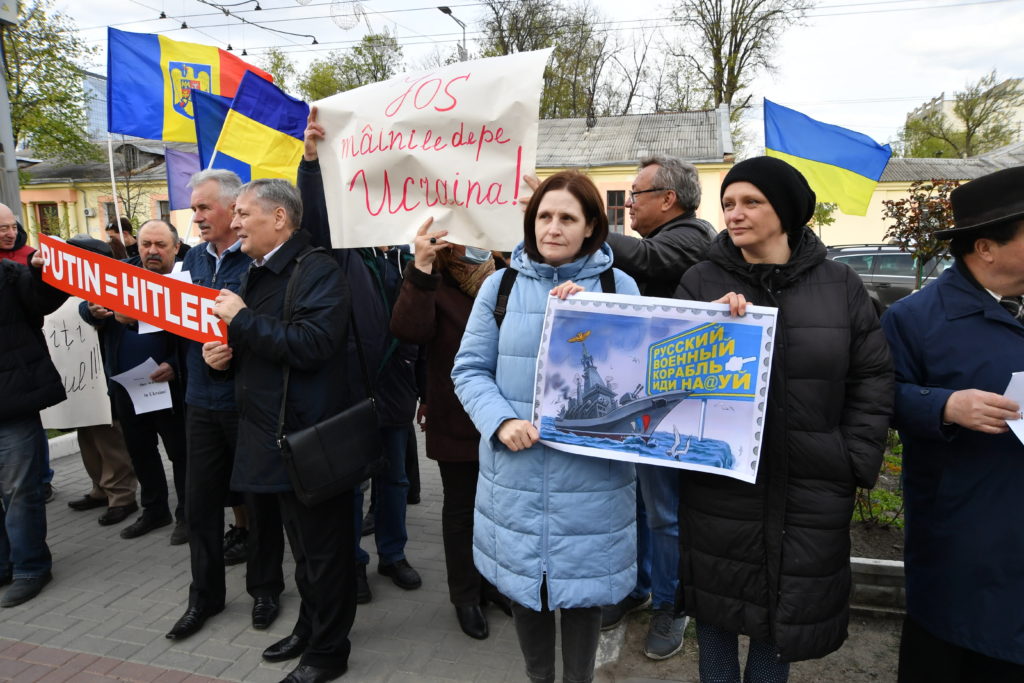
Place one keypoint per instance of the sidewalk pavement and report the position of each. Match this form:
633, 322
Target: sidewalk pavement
111, 601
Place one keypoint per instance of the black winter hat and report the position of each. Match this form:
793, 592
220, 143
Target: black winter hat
784, 186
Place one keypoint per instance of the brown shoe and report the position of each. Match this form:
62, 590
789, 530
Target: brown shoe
87, 502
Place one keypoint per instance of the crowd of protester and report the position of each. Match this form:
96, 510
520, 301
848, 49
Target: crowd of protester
451, 334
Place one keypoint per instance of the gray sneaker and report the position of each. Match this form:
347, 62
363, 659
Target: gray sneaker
612, 615
665, 636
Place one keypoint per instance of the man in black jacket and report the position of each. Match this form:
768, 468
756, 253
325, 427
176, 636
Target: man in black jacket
308, 340
28, 383
662, 206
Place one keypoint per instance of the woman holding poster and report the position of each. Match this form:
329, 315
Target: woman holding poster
772, 560
552, 530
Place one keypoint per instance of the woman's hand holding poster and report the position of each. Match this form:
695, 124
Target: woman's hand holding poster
655, 381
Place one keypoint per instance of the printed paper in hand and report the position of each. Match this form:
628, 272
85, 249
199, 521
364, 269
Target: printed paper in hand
1015, 392
147, 396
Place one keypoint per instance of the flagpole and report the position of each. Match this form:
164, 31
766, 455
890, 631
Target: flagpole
113, 184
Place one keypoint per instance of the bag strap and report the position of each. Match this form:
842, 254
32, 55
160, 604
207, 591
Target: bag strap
508, 280
289, 296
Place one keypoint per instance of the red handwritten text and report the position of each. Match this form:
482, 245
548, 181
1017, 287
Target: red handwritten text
427, 91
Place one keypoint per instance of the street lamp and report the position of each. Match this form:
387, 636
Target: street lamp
462, 46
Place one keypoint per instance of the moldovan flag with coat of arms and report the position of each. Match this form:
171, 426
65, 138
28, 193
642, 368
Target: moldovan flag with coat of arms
262, 135
150, 79
841, 165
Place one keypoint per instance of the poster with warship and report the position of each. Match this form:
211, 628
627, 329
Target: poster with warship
656, 381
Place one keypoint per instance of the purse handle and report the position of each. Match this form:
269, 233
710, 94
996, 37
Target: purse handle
289, 296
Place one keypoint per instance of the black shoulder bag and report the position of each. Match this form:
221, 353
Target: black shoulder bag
335, 455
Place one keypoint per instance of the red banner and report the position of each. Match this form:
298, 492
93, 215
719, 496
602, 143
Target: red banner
181, 308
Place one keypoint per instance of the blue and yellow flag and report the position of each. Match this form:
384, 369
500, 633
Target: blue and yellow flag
262, 133
150, 79
841, 165
210, 111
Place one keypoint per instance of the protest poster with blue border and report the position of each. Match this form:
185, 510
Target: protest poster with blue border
656, 381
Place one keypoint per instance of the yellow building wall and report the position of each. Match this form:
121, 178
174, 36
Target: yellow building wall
868, 229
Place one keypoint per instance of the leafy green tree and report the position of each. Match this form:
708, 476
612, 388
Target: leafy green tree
45, 82
823, 215
377, 57
279, 65
917, 217
982, 120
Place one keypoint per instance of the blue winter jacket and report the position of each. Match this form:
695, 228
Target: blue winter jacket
541, 513
964, 545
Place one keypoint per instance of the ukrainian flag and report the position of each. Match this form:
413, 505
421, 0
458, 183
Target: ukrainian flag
150, 79
262, 133
841, 165
210, 111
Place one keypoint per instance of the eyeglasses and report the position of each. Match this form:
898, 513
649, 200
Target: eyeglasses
634, 193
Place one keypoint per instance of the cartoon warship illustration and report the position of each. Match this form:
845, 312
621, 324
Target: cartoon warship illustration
596, 411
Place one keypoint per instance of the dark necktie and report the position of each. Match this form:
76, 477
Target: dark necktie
1015, 305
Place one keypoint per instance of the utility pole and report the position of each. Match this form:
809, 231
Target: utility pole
10, 193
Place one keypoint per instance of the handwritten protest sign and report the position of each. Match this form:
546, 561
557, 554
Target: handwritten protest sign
655, 381
75, 350
452, 143
182, 308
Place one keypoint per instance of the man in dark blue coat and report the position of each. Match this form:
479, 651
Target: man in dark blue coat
955, 345
263, 340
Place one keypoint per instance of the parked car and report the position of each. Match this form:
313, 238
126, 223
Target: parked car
888, 273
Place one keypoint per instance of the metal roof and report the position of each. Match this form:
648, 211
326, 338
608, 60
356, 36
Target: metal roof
696, 136
911, 169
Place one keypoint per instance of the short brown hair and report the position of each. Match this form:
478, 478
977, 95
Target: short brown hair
586, 193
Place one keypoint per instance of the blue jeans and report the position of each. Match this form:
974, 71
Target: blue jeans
23, 455
391, 493
659, 487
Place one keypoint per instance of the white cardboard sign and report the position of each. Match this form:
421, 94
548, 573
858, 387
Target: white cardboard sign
75, 350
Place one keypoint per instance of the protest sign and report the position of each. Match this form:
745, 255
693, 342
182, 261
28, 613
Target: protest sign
452, 143
75, 350
655, 381
182, 308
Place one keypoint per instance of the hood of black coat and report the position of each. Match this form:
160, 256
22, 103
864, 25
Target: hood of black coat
807, 251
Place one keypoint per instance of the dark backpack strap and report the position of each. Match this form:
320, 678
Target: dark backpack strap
508, 279
608, 281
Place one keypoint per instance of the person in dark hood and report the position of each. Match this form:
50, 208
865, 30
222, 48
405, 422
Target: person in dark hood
13, 238
771, 560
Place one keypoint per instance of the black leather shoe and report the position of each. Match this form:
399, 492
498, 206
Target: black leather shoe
6, 578
23, 590
144, 524
403, 575
286, 648
472, 621
264, 611
87, 502
191, 621
305, 673
118, 514
363, 594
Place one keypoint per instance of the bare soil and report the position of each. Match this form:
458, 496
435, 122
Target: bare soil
880, 543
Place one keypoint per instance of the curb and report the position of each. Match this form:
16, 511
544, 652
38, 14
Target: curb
64, 445
877, 587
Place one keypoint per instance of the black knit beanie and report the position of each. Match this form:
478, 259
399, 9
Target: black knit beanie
784, 186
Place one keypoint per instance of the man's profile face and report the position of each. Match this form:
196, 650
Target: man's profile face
256, 225
8, 228
645, 209
212, 216
1009, 262
157, 247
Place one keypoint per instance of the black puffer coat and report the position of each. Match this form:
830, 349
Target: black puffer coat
772, 560
28, 380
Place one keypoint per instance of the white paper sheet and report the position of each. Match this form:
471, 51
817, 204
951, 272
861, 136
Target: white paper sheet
147, 396
1015, 392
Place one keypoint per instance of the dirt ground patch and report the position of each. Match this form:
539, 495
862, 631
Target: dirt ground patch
869, 655
878, 542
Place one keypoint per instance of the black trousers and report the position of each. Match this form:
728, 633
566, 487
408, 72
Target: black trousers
322, 539
927, 659
140, 436
212, 436
459, 481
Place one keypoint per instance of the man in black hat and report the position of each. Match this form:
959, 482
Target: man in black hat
955, 345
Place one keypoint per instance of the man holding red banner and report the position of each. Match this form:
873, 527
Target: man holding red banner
125, 349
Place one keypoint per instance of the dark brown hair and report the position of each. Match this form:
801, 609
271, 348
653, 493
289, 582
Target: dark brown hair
586, 193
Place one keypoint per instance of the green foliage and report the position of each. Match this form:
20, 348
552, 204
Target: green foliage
883, 505
916, 218
279, 65
982, 120
44, 83
377, 57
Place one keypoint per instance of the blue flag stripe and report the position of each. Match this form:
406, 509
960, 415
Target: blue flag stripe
135, 98
210, 111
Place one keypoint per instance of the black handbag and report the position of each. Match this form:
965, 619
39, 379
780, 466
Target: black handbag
337, 454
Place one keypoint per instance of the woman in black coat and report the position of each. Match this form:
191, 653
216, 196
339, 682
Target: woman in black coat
771, 560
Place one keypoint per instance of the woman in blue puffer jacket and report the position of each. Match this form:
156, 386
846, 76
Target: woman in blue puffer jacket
552, 530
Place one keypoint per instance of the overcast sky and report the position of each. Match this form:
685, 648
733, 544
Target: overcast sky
862, 64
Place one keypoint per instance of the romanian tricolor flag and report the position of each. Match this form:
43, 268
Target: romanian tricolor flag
262, 133
150, 79
841, 165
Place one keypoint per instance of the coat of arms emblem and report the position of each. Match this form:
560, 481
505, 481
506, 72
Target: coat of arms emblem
184, 77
